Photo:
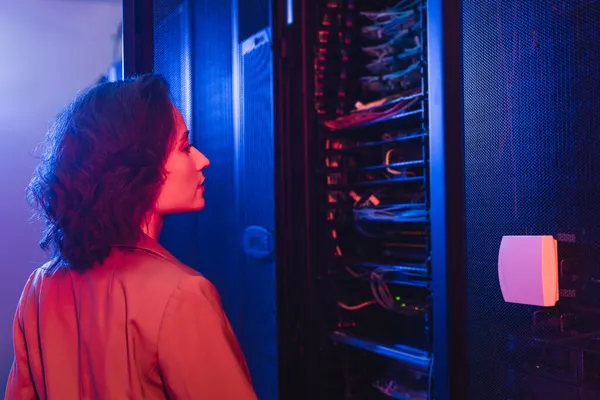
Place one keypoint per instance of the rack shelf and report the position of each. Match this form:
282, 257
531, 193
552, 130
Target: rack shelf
407, 118
410, 357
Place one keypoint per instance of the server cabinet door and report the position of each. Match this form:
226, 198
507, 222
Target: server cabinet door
531, 105
254, 172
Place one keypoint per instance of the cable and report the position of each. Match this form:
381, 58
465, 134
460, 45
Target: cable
392, 213
357, 306
381, 103
355, 119
373, 104
386, 23
391, 83
399, 391
383, 18
400, 9
388, 389
381, 294
402, 4
391, 47
387, 63
384, 297
356, 274
389, 166
392, 76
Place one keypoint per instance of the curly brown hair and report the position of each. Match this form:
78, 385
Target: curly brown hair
102, 169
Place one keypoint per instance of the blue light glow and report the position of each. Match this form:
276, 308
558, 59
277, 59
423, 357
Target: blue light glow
290, 11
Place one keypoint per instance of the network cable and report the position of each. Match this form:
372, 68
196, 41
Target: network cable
392, 213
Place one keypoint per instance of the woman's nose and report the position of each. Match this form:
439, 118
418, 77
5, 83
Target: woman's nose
201, 161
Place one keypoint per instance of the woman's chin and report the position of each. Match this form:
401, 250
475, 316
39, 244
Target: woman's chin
197, 205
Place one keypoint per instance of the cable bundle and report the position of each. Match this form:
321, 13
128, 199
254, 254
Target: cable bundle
381, 294
359, 118
396, 56
395, 52
392, 213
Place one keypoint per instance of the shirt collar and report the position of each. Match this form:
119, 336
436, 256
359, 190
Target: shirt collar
150, 245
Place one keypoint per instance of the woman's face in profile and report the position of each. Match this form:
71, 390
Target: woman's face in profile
183, 189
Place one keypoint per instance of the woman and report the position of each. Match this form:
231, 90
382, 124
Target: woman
114, 315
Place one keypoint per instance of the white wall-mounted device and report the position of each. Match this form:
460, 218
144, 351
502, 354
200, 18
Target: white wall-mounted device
528, 270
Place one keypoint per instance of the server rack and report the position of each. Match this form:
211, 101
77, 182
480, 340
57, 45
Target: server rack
348, 343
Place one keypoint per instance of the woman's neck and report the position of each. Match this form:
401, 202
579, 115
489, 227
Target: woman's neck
153, 225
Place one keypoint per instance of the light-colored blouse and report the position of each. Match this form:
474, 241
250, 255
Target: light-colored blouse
140, 326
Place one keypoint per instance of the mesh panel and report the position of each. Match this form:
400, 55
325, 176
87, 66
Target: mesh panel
172, 50
532, 114
258, 332
172, 60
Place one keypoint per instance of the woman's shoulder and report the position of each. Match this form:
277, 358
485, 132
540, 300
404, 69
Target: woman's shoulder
136, 270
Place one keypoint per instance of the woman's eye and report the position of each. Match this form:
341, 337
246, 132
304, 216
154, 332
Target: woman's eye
188, 148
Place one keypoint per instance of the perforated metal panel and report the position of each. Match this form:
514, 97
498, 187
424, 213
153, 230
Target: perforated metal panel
255, 171
532, 118
172, 50
172, 59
